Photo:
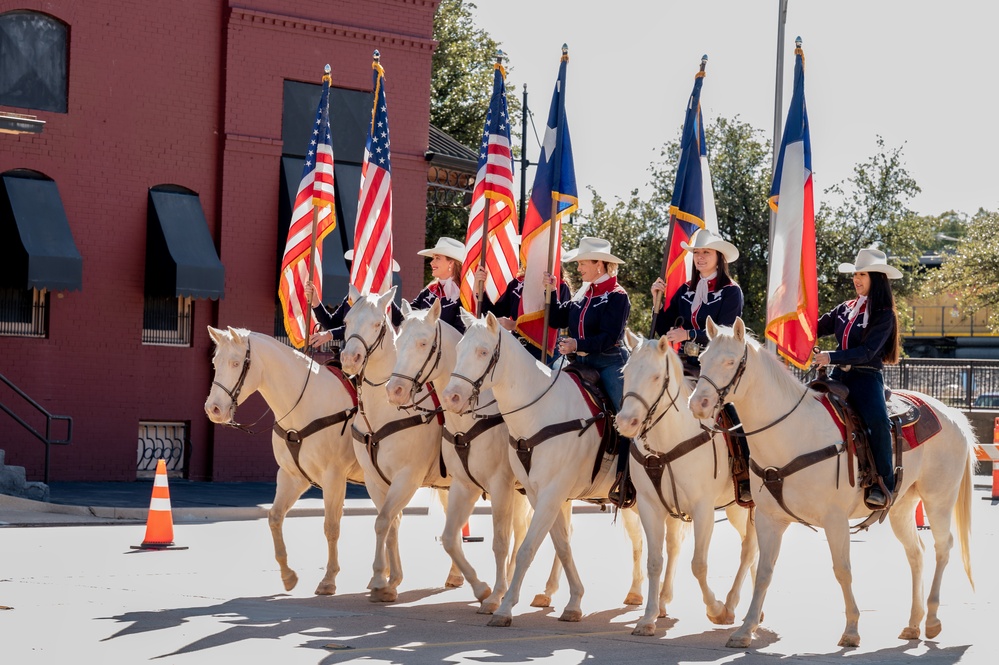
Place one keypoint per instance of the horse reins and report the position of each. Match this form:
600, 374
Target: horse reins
420, 380
648, 423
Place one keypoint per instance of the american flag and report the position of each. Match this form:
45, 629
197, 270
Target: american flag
693, 204
371, 268
315, 193
493, 185
792, 291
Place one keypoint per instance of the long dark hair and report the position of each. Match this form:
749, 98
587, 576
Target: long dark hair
880, 298
724, 277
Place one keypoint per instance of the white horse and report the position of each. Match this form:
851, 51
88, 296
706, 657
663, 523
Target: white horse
793, 424
694, 477
478, 461
398, 448
313, 408
561, 465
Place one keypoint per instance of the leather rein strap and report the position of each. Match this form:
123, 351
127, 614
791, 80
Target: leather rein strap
525, 446
656, 463
293, 437
773, 477
372, 439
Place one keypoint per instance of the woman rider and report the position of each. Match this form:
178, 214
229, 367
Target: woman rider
445, 265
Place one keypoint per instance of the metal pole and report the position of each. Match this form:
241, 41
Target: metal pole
315, 230
524, 163
778, 130
484, 227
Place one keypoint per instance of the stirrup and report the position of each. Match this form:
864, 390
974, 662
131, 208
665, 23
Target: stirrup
622, 492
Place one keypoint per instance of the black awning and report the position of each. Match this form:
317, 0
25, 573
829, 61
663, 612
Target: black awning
180, 254
36, 245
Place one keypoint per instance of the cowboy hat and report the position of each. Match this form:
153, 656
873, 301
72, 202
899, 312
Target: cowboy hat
591, 249
871, 260
449, 247
704, 239
349, 255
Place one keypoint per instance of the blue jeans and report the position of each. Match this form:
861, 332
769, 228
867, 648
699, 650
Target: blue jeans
610, 364
867, 396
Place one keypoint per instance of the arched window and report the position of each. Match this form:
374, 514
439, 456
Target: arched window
33, 61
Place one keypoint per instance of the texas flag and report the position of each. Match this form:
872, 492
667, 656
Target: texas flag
792, 287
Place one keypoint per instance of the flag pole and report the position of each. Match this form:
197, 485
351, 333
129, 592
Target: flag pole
327, 79
657, 300
524, 163
778, 129
484, 227
556, 183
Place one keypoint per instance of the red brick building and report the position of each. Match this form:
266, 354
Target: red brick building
178, 132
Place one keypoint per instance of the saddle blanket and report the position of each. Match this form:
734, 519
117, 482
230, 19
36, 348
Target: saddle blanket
914, 433
591, 402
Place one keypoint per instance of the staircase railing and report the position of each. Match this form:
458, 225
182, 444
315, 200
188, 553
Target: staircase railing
46, 438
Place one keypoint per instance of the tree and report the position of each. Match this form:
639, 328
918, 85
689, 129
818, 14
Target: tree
971, 273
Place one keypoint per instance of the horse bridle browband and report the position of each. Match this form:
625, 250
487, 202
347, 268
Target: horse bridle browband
368, 349
477, 384
234, 393
733, 383
650, 409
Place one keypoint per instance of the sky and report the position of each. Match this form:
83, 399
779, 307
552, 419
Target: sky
922, 75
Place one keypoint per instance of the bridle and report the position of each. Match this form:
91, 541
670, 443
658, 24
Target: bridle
423, 374
733, 383
650, 409
368, 349
473, 400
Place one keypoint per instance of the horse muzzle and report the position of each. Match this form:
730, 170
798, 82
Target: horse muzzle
399, 391
454, 397
702, 402
218, 414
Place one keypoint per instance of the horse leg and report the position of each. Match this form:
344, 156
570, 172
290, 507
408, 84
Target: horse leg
547, 510
676, 531
460, 504
289, 488
939, 513
770, 533
903, 523
503, 508
654, 523
634, 529
704, 523
396, 497
561, 533
838, 537
740, 518
334, 492
455, 578
544, 599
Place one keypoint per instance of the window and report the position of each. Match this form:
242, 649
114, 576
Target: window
24, 312
33, 61
162, 440
166, 320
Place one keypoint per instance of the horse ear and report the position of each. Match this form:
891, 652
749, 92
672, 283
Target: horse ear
386, 298
435, 312
405, 308
491, 323
710, 328
466, 317
663, 345
740, 329
216, 334
632, 340
353, 294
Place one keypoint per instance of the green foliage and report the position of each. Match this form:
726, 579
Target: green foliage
971, 273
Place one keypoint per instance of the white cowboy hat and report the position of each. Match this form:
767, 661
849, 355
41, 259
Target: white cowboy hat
349, 255
591, 249
449, 247
871, 260
704, 239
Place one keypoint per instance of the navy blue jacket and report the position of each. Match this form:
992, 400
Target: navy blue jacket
509, 303
723, 306
334, 322
596, 321
450, 309
858, 345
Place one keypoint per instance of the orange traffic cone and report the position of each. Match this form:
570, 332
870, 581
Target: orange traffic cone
467, 537
920, 519
159, 523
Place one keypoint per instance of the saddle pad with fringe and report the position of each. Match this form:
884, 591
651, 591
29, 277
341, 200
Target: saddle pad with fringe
591, 402
919, 421
347, 383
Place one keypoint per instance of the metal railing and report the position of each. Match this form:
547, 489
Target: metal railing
947, 321
168, 441
23, 312
46, 438
167, 321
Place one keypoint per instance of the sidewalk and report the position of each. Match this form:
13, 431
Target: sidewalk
111, 502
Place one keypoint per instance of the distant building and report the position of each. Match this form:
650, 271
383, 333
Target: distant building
148, 198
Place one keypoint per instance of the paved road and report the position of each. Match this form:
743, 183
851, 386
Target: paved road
80, 594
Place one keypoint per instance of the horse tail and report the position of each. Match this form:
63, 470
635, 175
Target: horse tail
962, 509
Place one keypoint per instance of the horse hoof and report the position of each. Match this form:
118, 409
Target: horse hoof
454, 581
909, 633
571, 615
933, 629
289, 581
483, 592
633, 599
645, 629
541, 600
849, 641
385, 595
739, 641
500, 621
326, 589
488, 608
724, 618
